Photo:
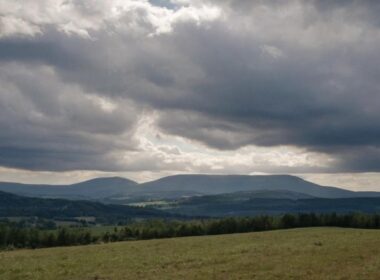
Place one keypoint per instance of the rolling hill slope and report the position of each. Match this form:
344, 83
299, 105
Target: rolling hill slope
312, 253
270, 203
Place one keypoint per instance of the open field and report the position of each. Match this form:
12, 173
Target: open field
313, 253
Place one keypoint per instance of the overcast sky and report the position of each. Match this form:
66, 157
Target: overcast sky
145, 89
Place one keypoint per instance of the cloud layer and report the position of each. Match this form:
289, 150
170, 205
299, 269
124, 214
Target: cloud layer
190, 85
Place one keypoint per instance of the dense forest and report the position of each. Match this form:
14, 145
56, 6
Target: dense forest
12, 235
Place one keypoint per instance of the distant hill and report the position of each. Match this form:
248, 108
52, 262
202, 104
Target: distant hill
120, 190
12, 205
95, 189
218, 184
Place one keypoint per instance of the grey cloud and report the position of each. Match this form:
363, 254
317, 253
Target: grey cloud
293, 73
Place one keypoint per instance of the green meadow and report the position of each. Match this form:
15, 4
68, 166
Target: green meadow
308, 253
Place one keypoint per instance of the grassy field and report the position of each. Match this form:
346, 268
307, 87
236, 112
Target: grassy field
318, 253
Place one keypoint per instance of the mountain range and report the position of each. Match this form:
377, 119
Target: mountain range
182, 195
122, 190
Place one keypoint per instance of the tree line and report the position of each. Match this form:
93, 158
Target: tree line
13, 236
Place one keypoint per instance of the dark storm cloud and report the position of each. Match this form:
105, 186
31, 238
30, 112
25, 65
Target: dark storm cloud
266, 73
312, 98
46, 124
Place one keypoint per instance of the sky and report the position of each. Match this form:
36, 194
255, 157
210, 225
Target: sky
145, 89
